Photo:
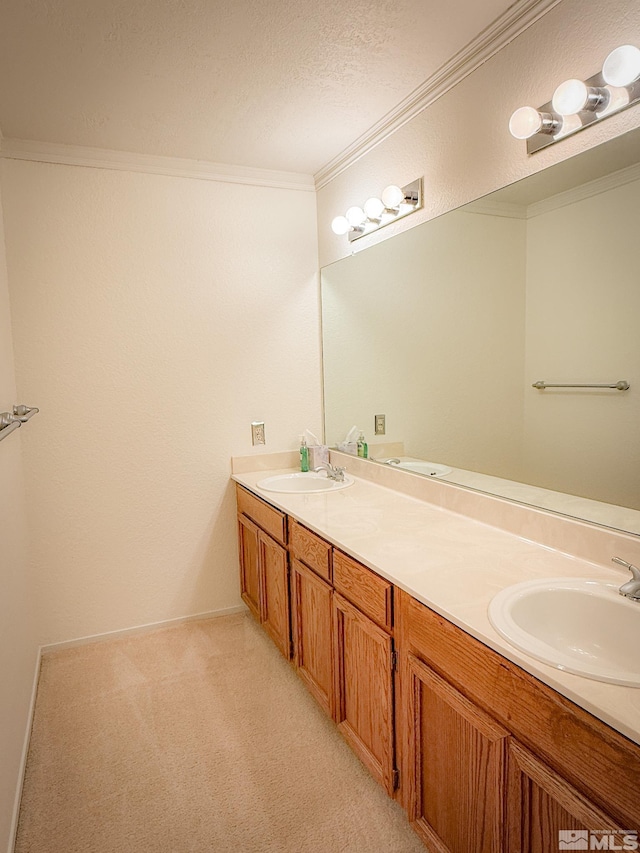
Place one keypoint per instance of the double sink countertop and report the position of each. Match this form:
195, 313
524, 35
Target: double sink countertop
453, 564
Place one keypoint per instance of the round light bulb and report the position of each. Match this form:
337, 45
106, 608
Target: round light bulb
340, 225
392, 197
373, 207
525, 123
355, 216
622, 66
570, 97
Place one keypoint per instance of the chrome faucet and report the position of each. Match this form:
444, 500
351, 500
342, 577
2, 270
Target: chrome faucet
393, 461
333, 471
630, 589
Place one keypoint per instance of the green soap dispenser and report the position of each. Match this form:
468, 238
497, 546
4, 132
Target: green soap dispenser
304, 455
363, 448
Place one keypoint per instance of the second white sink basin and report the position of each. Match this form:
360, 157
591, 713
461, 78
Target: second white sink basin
303, 483
578, 625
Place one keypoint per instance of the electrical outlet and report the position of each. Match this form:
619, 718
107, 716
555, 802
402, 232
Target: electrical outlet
257, 433
380, 427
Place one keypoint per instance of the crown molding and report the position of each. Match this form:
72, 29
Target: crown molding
515, 20
125, 161
584, 191
487, 207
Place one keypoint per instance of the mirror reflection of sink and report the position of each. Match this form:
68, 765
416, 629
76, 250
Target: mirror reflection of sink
305, 483
578, 625
431, 469
418, 466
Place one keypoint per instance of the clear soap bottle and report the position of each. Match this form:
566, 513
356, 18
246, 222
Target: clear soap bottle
363, 448
304, 454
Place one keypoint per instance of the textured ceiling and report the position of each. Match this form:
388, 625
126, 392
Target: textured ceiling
273, 84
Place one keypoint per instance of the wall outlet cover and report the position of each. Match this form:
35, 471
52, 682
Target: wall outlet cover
257, 433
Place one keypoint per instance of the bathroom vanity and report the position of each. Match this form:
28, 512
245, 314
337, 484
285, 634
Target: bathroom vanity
379, 601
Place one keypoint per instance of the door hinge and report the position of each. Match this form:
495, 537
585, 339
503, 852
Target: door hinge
394, 660
395, 779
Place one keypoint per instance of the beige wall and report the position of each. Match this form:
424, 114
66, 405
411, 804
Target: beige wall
461, 144
18, 645
583, 305
154, 319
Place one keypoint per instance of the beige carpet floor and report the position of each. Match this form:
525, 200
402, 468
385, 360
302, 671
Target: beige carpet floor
194, 738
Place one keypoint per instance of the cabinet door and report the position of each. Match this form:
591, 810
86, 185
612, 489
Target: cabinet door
312, 621
364, 689
545, 810
273, 562
457, 757
249, 569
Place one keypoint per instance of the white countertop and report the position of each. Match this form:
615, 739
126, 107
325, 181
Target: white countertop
454, 565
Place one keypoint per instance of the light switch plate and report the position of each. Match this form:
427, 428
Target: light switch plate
257, 433
380, 427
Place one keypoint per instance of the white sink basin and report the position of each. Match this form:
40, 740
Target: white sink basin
578, 625
303, 483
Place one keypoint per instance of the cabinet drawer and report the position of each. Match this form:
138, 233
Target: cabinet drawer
271, 520
368, 591
310, 549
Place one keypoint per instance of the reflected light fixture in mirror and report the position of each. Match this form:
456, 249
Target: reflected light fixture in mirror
395, 203
493, 296
577, 104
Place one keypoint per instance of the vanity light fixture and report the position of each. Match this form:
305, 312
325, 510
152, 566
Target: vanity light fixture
577, 104
394, 203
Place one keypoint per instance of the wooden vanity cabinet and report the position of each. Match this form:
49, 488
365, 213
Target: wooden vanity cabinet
364, 666
264, 566
312, 612
456, 767
541, 804
249, 571
490, 759
312, 630
274, 573
492, 756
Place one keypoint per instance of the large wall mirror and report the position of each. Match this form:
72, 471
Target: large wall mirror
445, 327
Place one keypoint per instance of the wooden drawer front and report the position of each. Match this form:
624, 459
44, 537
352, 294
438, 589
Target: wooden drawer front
310, 549
271, 520
368, 591
590, 755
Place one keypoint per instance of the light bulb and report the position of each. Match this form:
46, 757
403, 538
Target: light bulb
373, 207
355, 216
574, 96
622, 66
525, 123
570, 97
340, 225
392, 197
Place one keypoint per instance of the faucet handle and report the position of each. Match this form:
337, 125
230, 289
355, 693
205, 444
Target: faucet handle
635, 571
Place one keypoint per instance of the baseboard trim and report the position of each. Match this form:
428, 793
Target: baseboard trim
141, 629
25, 752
